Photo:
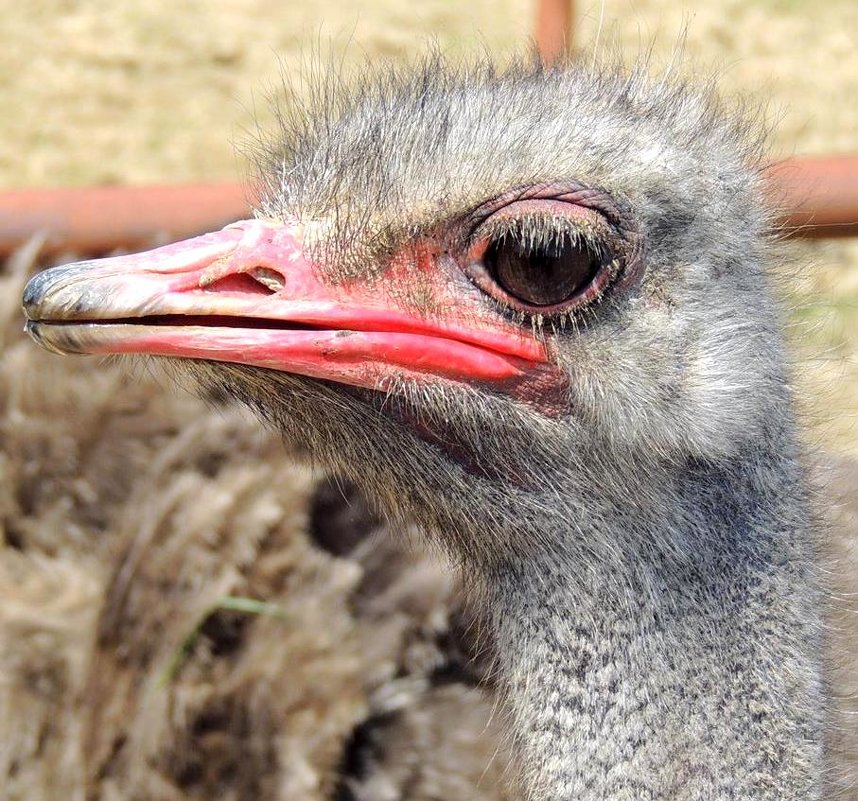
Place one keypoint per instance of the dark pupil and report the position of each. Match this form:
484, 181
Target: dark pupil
542, 275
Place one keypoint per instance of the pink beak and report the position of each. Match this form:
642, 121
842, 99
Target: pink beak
248, 294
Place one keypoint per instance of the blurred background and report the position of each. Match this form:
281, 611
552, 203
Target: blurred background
99, 91
130, 511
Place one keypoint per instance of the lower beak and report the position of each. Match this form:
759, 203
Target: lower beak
248, 294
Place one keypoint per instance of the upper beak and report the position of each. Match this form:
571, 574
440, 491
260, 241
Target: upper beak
249, 294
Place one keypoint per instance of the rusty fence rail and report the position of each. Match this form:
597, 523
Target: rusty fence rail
100, 219
818, 196
554, 28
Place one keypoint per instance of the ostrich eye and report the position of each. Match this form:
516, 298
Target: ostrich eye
544, 257
542, 273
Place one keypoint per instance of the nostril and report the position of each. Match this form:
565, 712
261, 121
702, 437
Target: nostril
259, 281
269, 278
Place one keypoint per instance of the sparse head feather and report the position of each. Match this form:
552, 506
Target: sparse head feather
400, 149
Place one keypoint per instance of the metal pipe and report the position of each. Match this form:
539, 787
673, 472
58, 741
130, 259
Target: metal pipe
100, 219
554, 32
818, 196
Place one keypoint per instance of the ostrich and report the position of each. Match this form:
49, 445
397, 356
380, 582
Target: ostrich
529, 309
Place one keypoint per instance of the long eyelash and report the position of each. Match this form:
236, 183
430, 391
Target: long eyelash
544, 232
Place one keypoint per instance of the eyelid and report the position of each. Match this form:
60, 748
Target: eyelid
574, 218
568, 191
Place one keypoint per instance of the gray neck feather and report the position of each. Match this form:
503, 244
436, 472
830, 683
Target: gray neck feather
645, 675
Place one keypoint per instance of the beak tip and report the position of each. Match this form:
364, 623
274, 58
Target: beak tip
32, 328
53, 291
33, 294
43, 285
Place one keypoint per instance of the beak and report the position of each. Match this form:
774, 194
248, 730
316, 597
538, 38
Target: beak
249, 294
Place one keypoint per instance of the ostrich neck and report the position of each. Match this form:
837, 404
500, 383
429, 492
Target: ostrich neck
638, 675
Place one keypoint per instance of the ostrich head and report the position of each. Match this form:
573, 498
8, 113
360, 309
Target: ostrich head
494, 285
528, 309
